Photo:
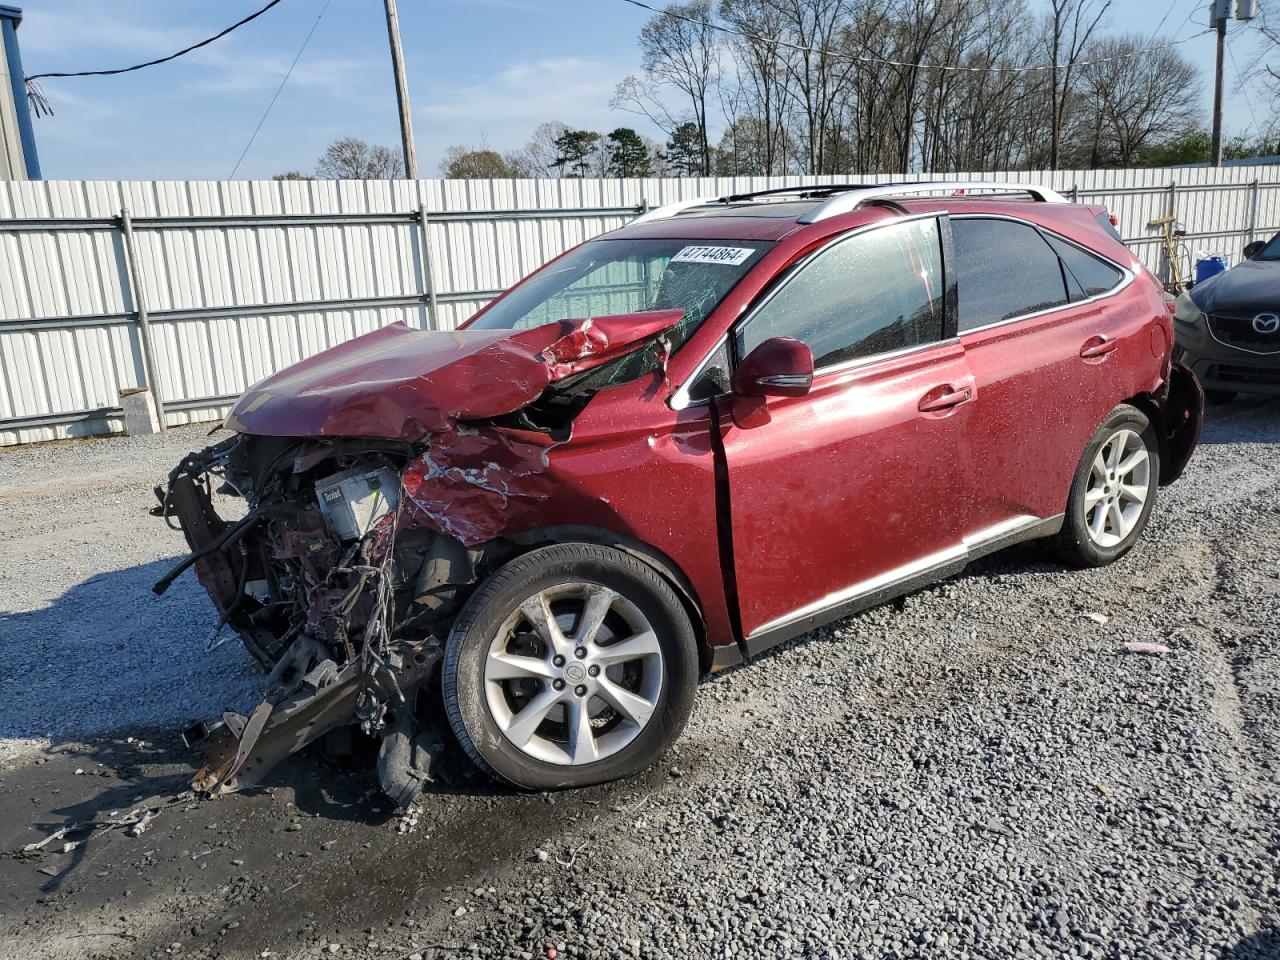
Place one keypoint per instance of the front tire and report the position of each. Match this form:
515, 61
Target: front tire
1113, 491
574, 664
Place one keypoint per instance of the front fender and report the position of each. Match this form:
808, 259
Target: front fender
1182, 415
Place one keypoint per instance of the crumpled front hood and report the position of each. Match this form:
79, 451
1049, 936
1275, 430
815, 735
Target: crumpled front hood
1250, 288
402, 384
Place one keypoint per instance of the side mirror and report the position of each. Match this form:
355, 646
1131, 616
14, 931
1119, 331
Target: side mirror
1252, 249
778, 367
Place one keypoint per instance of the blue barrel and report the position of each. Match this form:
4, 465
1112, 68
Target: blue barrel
1210, 267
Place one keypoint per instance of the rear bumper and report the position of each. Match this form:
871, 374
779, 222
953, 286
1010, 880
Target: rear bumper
1222, 367
1181, 415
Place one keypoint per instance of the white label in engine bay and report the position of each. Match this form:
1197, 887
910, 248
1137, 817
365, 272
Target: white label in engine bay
730, 256
353, 501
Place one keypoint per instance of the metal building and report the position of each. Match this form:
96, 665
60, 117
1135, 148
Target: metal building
18, 160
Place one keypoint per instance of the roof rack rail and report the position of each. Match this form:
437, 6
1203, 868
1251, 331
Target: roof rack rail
671, 209
804, 190
846, 197
855, 198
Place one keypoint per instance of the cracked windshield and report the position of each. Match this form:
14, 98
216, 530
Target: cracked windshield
629, 276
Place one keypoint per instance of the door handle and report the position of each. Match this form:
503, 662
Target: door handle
1096, 347
932, 402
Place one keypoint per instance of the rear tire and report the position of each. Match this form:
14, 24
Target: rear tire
1113, 491
574, 664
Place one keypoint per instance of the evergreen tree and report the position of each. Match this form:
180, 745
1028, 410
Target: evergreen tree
684, 150
628, 156
575, 151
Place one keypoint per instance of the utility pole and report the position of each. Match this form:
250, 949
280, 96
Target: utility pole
402, 92
1221, 10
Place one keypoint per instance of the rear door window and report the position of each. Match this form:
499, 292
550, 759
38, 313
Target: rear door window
872, 293
1087, 276
1004, 269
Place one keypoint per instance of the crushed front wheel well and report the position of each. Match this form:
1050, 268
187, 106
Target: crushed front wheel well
513, 545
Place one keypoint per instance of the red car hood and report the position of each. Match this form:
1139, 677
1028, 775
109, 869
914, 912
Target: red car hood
401, 384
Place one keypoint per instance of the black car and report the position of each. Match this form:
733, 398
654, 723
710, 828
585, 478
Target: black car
1228, 327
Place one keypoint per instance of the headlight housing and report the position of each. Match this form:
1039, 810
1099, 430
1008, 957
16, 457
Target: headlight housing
1186, 311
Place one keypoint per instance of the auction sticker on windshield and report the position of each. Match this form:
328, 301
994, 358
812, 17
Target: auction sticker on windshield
733, 256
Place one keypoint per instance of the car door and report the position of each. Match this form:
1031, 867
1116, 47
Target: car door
1040, 339
839, 495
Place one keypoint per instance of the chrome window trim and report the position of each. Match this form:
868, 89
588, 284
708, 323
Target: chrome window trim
1127, 275
680, 399
856, 362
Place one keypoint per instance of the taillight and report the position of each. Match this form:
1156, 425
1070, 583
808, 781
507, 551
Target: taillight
1115, 221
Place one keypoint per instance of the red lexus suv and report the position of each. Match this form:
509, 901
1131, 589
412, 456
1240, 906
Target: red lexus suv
667, 450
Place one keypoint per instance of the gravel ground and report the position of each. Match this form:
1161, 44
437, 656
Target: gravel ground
87, 647
977, 771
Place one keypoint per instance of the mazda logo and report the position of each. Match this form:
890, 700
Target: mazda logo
1266, 323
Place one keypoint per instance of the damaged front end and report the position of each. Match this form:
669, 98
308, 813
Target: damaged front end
377, 480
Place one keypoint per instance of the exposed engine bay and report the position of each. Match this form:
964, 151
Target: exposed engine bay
345, 609
356, 551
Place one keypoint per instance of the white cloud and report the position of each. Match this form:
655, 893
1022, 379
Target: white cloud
504, 109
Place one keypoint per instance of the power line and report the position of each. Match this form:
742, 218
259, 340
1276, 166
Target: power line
1244, 88
1167, 14
276, 96
867, 58
152, 63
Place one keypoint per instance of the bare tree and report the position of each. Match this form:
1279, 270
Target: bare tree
758, 97
1069, 27
816, 72
1135, 101
540, 153
352, 159
681, 50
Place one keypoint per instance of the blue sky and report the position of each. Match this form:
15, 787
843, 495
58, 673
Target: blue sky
479, 71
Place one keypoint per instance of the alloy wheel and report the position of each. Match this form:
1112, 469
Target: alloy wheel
1119, 483
574, 674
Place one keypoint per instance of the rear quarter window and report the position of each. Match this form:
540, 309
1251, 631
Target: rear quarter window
1086, 275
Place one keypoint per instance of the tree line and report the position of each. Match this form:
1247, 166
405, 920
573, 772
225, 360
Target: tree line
775, 87
824, 86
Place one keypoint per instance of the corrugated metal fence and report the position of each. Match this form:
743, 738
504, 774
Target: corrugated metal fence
229, 281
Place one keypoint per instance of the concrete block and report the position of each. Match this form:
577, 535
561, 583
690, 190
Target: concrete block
140, 416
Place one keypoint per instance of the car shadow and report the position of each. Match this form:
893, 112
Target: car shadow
97, 685
108, 653
1264, 945
1249, 418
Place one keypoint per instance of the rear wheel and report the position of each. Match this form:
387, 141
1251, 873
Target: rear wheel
573, 664
1113, 492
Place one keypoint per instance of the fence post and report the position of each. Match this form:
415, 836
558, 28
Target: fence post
1254, 209
428, 283
1075, 193
133, 279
